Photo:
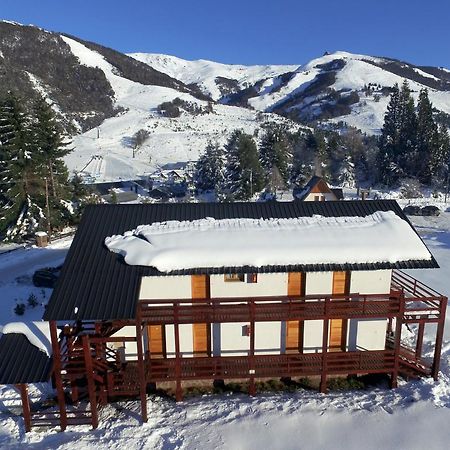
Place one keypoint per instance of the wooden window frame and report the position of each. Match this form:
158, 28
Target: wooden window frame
252, 278
233, 278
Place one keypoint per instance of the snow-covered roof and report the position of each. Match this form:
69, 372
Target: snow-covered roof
37, 333
381, 237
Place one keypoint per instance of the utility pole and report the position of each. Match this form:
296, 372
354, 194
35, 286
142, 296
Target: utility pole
98, 133
48, 209
251, 183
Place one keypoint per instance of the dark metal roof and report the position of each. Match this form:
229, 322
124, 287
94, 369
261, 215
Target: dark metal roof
100, 286
22, 362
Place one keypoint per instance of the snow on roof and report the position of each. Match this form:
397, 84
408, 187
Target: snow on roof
37, 333
382, 237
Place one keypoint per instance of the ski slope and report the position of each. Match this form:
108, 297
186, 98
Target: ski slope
179, 139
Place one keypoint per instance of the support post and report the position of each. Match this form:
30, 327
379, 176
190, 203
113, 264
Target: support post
141, 367
419, 342
397, 340
251, 384
90, 380
57, 375
326, 326
439, 337
25, 406
178, 391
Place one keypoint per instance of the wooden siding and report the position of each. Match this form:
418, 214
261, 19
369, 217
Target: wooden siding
338, 327
156, 341
294, 329
201, 331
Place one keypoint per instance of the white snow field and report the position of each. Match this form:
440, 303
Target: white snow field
105, 152
414, 416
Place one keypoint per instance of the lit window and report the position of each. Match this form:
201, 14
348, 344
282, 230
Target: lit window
233, 277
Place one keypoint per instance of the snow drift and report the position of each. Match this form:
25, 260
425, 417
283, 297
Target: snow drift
382, 237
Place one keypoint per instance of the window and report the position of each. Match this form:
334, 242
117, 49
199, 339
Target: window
233, 277
317, 198
252, 278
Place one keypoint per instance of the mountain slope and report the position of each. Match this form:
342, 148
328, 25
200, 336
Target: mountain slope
335, 87
105, 154
212, 78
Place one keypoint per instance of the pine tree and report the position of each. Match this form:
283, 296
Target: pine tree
440, 158
209, 169
15, 160
389, 141
407, 149
48, 141
427, 137
243, 172
275, 153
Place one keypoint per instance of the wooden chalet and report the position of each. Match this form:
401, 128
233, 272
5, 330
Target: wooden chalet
317, 190
118, 328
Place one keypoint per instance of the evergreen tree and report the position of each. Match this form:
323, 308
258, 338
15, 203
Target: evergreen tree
389, 141
243, 172
275, 153
51, 148
209, 169
440, 158
427, 134
15, 160
407, 138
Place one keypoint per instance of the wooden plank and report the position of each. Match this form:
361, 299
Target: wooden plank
338, 327
294, 328
199, 286
26, 406
341, 282
90, 380
57, 375
156, 341
201, 331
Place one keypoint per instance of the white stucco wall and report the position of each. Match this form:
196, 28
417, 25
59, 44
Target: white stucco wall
371, 281
268, 284
312, 338
319, 283
186, 341
128, 350
366, 334
268, 339
311, 197
170, 287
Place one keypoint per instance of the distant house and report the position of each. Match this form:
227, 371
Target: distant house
176, 293
317, 189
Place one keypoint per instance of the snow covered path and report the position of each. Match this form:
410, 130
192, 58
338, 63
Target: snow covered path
16, 271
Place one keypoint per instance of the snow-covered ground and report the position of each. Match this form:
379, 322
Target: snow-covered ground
414, 416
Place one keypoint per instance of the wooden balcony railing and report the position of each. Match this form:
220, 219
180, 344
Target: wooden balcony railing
295, 365
217, 310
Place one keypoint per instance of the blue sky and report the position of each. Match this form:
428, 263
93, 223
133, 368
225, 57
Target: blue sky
251, 31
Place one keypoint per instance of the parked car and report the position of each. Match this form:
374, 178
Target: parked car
412, 210
430, 211
46, 277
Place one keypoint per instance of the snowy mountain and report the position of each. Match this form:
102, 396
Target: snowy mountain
104, 97
214, 79
105, 153
335, 87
